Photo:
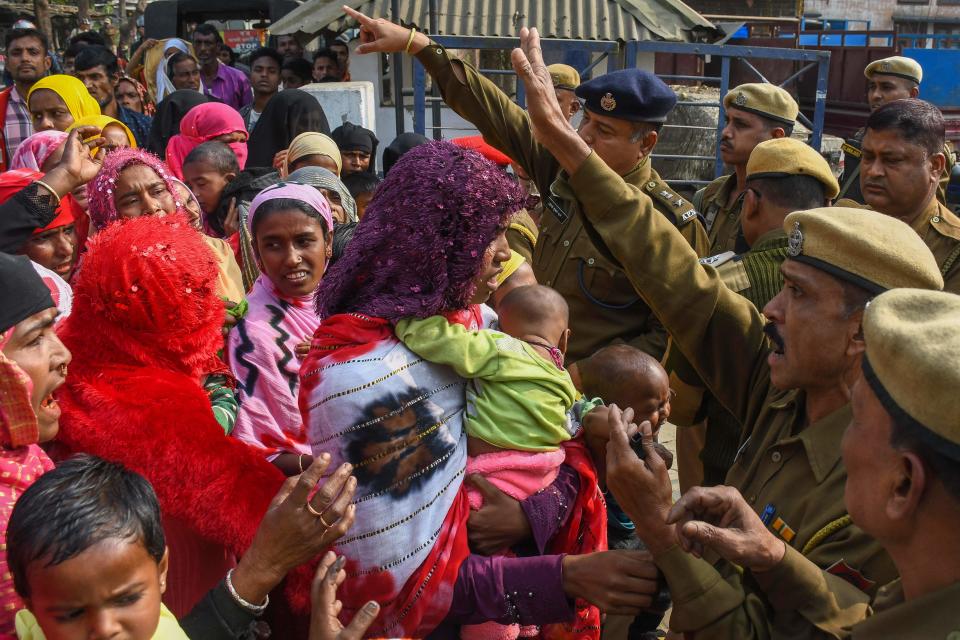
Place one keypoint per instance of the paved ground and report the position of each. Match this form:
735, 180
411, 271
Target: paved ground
668, 437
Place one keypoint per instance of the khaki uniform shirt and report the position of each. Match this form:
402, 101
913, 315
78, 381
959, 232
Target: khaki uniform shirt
756, 276
789, 471
837, 610
522, 234
940, 230
721, 222
604, 308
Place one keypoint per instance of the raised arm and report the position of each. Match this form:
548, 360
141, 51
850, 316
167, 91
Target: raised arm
719, 332
501, 121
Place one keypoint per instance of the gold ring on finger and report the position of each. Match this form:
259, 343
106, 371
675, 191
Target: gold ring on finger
324, 522
314, 512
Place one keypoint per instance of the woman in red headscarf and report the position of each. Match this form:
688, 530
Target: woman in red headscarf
205, 122
55, 245
145, 332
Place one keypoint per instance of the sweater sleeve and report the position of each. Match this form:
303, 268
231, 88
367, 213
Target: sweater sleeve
25, 212
472, 354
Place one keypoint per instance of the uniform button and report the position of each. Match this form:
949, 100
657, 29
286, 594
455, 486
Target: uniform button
549, 283
732, 216
591, 261
439, 51
775, 456
753, 499
937, 219
566, 243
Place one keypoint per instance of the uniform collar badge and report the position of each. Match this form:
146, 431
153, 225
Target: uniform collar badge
795, 241
608, 102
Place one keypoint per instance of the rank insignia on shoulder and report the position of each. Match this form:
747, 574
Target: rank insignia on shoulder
689, 215
851, 150
678, 203
785, 531
717, 260
842, 570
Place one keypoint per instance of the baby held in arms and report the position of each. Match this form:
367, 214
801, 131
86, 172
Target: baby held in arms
519, 396
520, 399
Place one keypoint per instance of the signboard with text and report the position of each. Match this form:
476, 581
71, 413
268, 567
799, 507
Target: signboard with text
244, 40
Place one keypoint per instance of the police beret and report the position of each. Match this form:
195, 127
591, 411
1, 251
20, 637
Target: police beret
913, 345
895, 66
629, 94
564, 76
867, 248
782, 157
764, 99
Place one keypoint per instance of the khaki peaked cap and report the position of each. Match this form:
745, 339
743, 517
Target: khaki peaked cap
867, 248
895, 66
764, 99
783, 157
913, 346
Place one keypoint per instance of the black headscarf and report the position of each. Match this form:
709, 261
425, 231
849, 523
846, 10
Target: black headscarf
166, 122
350, 137
400, 145
287, 114
22, 292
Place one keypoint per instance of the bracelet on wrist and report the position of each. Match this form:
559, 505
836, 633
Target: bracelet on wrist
255, 609
413, 32
52, 191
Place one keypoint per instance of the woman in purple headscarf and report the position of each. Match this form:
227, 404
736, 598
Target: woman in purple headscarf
432, 242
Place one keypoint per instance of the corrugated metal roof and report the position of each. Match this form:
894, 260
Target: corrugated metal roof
623, 20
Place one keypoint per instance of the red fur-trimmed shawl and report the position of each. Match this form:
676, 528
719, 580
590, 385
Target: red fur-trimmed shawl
159, 424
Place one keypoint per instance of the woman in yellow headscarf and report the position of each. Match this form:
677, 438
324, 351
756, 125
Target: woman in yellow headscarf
118, 135
56, 102
312, 149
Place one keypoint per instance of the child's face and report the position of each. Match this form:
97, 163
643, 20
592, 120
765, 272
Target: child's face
111, 590
653, 400
206, 183
363, 199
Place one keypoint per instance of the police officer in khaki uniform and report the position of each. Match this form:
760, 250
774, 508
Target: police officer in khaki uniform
889, 79
755, 112
565, 80
899, 172
792, 398
902, 454
783, 175
623, 111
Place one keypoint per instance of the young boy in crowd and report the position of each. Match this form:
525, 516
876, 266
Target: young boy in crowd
207, 170
361, 186
88, 556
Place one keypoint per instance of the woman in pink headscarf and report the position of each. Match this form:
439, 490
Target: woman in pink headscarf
205, 122
34, 152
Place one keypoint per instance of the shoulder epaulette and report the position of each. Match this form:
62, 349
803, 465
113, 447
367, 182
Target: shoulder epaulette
670, 203
719, 259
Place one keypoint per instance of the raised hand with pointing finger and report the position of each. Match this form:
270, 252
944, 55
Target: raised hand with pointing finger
382, 36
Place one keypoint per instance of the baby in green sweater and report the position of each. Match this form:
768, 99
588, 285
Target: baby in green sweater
520, 394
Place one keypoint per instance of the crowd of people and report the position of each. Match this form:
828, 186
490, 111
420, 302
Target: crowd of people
252, 385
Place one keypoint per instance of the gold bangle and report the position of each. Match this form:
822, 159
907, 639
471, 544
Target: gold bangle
300, 462
50, 189
413, 32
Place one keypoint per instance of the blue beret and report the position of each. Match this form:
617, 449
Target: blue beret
629, 94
